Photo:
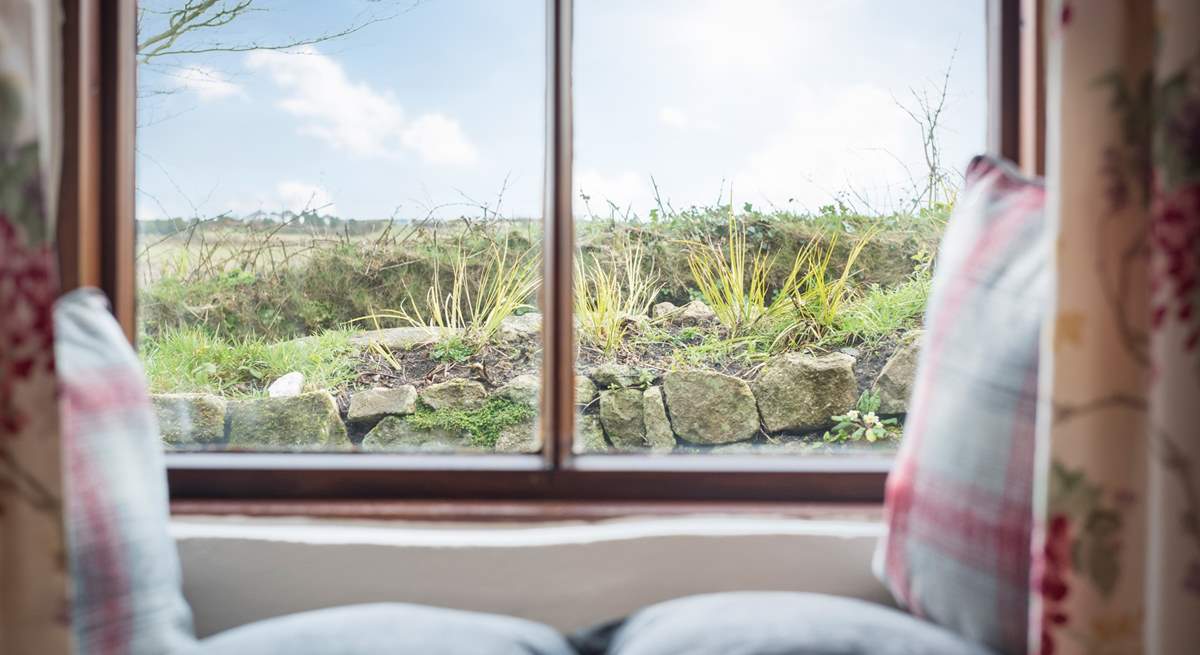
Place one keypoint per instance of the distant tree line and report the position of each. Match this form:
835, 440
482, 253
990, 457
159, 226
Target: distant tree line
292, 223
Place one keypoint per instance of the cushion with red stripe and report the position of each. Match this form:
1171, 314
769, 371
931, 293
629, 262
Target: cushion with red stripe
959, 498
126, 596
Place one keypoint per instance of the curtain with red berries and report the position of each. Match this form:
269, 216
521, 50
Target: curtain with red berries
1117, 542
33, 577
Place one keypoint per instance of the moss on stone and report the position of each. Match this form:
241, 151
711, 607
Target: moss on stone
309, 421
484, 424
621, 414
395, 433
190, 419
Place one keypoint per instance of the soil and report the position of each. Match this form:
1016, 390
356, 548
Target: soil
870, 359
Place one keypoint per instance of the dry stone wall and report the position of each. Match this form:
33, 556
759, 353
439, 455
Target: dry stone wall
623, 408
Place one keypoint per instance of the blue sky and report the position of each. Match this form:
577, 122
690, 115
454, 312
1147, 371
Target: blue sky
787, 103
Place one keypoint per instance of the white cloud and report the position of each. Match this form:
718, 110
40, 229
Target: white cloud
846, 137
354, 116
739, 35
676, 118
440, 140
298, 197
672, 117
208, 83
623, 189
146, 211
288, 195
333, 108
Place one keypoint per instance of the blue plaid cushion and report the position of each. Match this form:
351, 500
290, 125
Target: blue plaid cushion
959, 498
124, 568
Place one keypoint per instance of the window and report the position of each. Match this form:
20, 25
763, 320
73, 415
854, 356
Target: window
337, 250
757, 208
700, 194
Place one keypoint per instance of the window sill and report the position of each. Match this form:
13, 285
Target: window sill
330, 477
236, 569
532, 511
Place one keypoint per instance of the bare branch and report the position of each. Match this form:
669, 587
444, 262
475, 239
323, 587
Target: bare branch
927, 112
192, 16
202, 16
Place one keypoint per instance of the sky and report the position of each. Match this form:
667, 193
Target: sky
439, 109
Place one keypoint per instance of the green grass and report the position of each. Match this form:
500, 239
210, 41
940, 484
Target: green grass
484, 424
882, 312
192, 360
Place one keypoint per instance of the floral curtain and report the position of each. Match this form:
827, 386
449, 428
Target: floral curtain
1117, 544
33, 577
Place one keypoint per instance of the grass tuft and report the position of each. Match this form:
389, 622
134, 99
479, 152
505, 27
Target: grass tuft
478, 299
733, 281
605, 301
818, 297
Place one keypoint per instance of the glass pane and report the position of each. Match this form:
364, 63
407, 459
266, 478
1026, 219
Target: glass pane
339, 223
760, 190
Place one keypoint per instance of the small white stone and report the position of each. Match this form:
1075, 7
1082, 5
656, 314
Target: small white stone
287, 386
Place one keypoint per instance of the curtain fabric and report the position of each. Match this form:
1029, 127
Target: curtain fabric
1117, 539
33, 576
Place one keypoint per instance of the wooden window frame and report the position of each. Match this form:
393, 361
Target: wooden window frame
97, 246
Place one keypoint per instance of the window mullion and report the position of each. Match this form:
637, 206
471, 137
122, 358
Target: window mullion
558, 388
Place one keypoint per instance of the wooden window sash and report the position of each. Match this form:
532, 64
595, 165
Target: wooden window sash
96, 230
97, 238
